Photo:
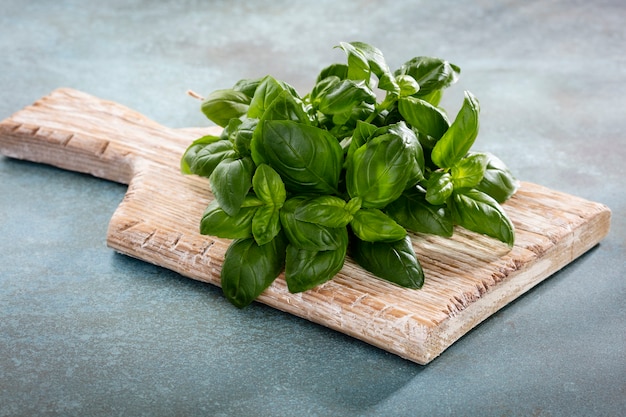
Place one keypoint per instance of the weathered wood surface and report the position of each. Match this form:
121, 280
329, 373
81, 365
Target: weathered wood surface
468, 277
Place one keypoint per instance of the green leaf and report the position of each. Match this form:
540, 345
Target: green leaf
266, 224
379, 170
431, 74
344, 123
250, 268
469, 171
306, 269
267, 91
322, 87
412, 147
361, 134
498, 180
478, 212
216, 222
203, 159
423, 116
354, 205
364, 61
268, 186
188, 161
372, 225
433, 97
439, 187
305, 235
240, 134
308, 159
230, 182
340, 96
257, 152
336, 70
392, 261
325, 210
460, 137
286, 107
412, 211
408, 85
222, 105
247, 86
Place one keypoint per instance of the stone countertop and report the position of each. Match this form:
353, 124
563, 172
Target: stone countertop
88, 332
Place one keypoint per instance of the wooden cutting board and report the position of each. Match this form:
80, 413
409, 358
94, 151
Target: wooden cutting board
468, 277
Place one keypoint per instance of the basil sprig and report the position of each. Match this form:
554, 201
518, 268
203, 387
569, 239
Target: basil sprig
301, 182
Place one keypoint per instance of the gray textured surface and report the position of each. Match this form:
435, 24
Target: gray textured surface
87, 332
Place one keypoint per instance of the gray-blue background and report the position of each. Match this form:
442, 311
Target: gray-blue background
87, 332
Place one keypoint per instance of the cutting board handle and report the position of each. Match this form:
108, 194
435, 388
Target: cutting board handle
79, 132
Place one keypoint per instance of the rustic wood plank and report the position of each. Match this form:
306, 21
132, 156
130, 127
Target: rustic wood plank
468, 277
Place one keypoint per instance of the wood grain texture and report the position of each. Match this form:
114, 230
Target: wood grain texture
468, 277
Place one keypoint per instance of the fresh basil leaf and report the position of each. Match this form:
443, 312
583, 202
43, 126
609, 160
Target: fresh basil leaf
230, 129
379, 170
498, 180
408, 85
208, 157
267, 91
424, 117
325, 210
305, 235
354, 205
268, 186
286, 107
247, 86
412, 146
469, 171
257, 152
222, 105
216, 222
240, 134
480, 213
188, 160
392, 261
372, 225
412, 211
439, 187
266, 224
341, 96
434, 97
361, 134
250, 268
345, 123
431, 74
308, 159
306, 269
364, 61
230, 182
459, 138
336, 70
322, 87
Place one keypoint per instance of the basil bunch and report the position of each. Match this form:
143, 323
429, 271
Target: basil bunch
298, 180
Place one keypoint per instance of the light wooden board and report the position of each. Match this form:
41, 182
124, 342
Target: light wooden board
468, 277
